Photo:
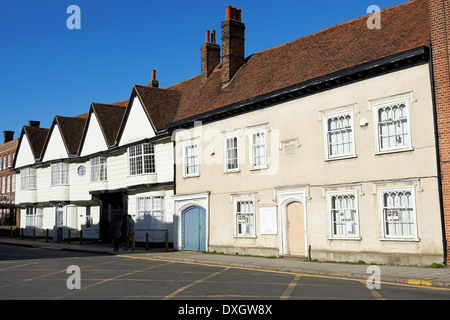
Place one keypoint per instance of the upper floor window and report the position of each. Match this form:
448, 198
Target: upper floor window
191, 159
28, 178
141, 159
393, 125
258, 149
339, 135
99, 169
231, 154
60, 173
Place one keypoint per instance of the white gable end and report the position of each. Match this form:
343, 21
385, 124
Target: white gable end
55, 147
24, 156
137, 126
94, 141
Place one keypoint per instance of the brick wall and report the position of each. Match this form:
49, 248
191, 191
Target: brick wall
440, 24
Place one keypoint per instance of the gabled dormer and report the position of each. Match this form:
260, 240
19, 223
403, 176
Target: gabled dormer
101, 129
31, 142
64, 137
149, 110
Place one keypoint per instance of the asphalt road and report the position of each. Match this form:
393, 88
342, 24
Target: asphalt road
31, 273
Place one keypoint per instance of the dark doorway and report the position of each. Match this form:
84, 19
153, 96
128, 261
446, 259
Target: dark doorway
113, 206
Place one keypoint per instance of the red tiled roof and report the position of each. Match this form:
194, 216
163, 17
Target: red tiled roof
404, 27
7, 146
109, 117
160, 104
36, 137
71, 131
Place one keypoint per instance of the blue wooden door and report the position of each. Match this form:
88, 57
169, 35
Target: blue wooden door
194, 229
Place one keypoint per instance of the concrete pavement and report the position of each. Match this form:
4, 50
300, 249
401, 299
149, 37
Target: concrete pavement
431, 277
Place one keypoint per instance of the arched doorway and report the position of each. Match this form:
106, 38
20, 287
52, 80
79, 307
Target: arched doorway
295, 223
194, 229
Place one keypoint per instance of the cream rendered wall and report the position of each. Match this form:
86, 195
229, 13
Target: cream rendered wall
306, 169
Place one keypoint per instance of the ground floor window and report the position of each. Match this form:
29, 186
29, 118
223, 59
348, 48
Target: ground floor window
150, 213
343, 210
33, 218
245, 217
398, 213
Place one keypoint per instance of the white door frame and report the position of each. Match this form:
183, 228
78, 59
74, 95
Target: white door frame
285, 198
183, 202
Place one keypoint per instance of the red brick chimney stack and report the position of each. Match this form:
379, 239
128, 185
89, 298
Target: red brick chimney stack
8, 136
210, 54
440, 45
153, 82
233, 55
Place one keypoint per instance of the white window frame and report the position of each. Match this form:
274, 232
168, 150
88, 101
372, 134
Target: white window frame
3, 185
150, 212
383, 221
99, 169
226, 153
34, 217
263, 146
193, 161
146, 158
59, 174
408, 141
247, 216
8, 184
347, 221
28, 178
327, 142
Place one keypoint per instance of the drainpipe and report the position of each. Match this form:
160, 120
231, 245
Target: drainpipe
438, 159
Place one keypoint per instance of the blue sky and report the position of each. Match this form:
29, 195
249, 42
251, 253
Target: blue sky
47, 69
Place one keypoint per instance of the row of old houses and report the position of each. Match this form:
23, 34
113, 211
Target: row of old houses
323, 147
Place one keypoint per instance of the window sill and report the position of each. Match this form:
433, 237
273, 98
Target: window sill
232, 171
244, 237
377, 153
345, 238
259, 168
401, 239
191, 176
350, 156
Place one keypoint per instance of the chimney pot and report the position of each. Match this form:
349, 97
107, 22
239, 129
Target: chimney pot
153, 82
228, 10
206, 35
213, 36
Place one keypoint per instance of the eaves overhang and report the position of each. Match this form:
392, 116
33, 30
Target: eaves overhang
374, 68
